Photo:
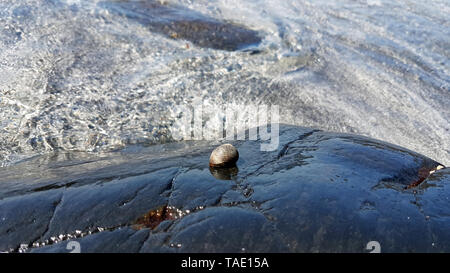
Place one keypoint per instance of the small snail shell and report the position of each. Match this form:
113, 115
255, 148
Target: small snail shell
223, 156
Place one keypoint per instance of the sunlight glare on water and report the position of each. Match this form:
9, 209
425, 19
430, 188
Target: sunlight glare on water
74, 75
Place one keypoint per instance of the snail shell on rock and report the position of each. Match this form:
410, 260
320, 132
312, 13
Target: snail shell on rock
223, 156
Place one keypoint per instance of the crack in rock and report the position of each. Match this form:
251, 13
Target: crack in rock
51, 219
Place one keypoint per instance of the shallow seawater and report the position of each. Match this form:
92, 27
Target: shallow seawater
77, 76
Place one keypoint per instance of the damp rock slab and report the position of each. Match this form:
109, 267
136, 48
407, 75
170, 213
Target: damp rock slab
317, 192
178, 22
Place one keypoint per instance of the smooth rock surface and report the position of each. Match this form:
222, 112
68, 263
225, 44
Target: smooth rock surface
318, 192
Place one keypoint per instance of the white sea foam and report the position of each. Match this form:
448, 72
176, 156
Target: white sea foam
75, 76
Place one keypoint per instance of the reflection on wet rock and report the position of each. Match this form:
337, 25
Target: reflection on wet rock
224, 173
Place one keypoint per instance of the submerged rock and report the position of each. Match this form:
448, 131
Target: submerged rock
178, 22
318, 192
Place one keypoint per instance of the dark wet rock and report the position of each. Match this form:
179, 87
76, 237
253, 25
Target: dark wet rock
25, 219
127, 240
318, 192
112, 205
178, 22
195, 188
233, 229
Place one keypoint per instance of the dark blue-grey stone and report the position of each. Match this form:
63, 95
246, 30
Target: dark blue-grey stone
317, 192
